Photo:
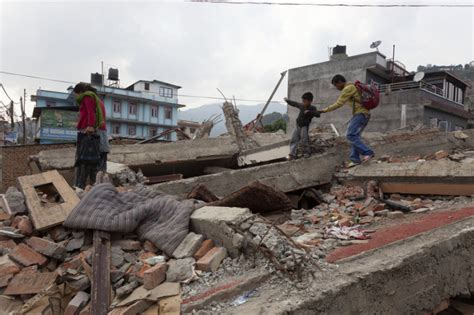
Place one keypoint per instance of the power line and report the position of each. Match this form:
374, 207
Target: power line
180, 95
389, 5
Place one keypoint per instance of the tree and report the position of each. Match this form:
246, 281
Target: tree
279, 124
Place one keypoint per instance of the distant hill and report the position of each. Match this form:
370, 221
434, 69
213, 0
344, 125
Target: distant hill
246, 114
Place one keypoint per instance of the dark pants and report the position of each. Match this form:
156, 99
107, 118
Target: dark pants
85, 172
354, 132
300, 135
103, 162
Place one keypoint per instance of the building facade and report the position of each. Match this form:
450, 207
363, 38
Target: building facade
140, 111
438, 99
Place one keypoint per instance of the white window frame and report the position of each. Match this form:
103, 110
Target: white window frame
130, 111
166, 92
154, 111
130, 128
116, 106
170, 111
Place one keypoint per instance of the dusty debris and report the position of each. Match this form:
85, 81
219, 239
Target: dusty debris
200, 192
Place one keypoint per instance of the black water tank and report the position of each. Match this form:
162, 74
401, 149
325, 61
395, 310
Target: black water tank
339, 50
97, 79
113, 74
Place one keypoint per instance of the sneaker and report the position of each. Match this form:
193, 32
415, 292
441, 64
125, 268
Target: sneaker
352, 164
367, 158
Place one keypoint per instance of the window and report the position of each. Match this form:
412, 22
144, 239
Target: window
443, 125
168, 113
433, 123
166, 92
153, 131
117, 106
147, 86
132, 130
116, 129
132, 108
168, 136
154, 111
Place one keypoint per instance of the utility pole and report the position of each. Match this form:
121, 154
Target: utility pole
23, 118
12, 111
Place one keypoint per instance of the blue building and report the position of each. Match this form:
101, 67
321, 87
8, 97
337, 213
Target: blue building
140, 111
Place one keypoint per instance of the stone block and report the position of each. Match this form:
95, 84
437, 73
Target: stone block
188, 246
154, 276
47, 248
180, 270
128, 245
212, 260
26, 256
215, 223
395, 214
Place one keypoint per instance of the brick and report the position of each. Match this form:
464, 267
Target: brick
395, 214
149, 247
206, 246
4, 280
345, 222
58, 234
10, 244
154, 276
142, 270
212, 260
441, 155
23, 224
77, 303
26, 256
188, 246
4, 216
30, 282
8, 269
47, 248
128, 245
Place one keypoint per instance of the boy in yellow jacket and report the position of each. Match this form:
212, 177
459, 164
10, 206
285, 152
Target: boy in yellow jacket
360, 119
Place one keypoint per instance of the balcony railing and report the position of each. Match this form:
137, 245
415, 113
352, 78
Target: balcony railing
386, 88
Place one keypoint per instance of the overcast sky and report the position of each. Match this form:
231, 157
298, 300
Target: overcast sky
200, 46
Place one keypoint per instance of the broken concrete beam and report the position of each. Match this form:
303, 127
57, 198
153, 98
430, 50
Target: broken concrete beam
77, 303
188, 246
206, 246
154, 276
200, 192
442, 177
258, 198
215, 223
26, 256
212, 260
45, 216
47, 248
283, 176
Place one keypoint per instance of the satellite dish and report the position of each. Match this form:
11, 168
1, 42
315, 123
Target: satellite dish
376, 44
419, 76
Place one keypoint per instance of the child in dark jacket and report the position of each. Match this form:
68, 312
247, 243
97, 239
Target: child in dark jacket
301, 132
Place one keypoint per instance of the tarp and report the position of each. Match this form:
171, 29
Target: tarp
156, 217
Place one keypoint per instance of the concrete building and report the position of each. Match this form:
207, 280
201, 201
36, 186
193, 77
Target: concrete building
437, 100
140, 111
189, 127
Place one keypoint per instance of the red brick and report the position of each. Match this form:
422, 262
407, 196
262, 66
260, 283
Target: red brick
345, 222
23, 223
142, 270
77, 303
26, 256
154, 276
10, 244
206, 246
7, 270
441, 155
149, 247
30, 282
4, 280
4, 216
146, 255
47, 248
212, 260
128, 245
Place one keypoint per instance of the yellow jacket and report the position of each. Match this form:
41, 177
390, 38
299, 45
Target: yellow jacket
351, 96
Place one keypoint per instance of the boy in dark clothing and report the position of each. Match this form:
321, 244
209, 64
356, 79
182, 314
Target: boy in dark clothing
300, 134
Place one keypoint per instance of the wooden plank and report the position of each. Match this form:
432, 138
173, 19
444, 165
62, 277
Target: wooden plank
43, 216
101, 290
4, 205
429, 189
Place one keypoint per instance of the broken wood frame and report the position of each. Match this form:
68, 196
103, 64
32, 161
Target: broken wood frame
101, 289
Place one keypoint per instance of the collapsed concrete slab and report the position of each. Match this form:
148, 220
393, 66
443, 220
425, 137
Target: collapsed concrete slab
441, 177
318, 170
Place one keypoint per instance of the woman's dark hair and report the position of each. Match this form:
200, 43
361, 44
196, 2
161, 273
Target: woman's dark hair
338, 79
84, 87
308, 96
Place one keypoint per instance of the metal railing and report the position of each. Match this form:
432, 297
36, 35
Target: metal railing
386, 88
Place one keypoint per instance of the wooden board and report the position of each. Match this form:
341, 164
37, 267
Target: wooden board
100, 292
429, 189
44, 217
